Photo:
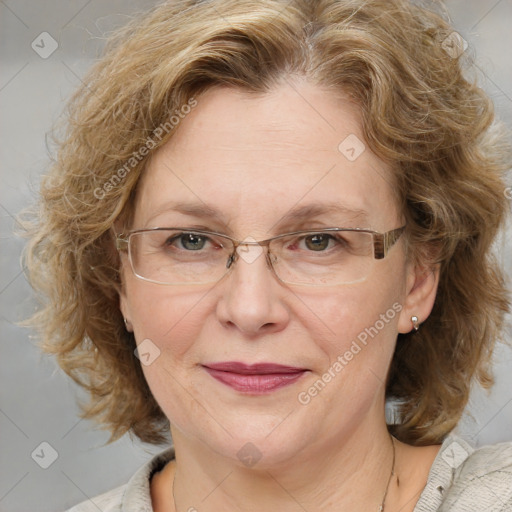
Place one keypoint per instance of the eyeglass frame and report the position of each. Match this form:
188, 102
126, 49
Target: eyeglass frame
382, 243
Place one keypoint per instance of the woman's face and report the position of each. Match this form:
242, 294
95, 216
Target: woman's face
267, 165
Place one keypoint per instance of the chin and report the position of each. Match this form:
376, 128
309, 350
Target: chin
262, 453
258, 441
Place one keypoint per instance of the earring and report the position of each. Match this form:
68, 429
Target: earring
415, 322
127, 325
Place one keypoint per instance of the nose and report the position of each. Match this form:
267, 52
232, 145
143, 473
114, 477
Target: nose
252, 299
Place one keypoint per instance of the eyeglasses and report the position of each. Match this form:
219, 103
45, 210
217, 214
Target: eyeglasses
329, 256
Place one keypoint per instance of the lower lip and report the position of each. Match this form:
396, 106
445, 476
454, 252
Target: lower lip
259, 384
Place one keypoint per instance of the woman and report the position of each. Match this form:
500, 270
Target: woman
268, 220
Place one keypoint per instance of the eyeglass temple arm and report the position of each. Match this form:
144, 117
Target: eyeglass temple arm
382, 242
121, 243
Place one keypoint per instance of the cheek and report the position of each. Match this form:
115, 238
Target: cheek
171, 319
353, 312
362, 325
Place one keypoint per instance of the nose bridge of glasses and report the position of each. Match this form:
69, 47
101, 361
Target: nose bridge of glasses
249, 250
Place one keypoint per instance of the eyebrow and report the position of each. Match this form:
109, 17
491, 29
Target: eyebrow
198, 210
296, 214
305, 212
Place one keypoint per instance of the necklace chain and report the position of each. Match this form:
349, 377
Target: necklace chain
381, 506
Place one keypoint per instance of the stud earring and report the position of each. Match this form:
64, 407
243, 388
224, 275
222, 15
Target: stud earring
415, 322
127, 325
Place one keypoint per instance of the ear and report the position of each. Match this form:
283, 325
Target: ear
421, 289
124, 303
125, 310
121, 289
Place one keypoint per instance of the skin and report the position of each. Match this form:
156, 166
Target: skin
253, 158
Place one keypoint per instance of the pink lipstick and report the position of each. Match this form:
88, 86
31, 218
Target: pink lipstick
254, 379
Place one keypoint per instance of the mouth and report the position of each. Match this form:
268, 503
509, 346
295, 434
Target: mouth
254, 379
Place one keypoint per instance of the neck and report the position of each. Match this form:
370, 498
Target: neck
345, 474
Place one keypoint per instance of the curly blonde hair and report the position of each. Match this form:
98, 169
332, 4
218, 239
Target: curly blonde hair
420, 113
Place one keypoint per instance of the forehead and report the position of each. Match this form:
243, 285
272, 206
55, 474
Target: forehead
250, 160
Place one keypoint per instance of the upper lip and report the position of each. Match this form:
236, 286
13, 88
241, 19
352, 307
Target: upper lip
253, 369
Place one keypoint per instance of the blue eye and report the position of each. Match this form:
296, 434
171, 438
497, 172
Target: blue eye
192, 241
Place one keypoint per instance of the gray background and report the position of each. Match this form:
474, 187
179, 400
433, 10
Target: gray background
37, 400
